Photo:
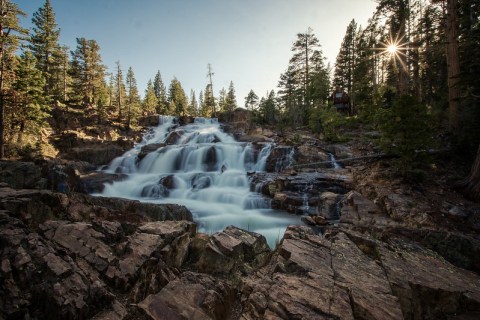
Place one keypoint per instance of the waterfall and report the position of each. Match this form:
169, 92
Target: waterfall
200, 166
334, 162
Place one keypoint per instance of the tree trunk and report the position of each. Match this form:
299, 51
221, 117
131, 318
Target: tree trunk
453, 66
470, 186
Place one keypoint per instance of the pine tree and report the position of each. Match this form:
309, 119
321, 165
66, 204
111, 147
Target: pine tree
44, 45
177, 100
267, 108
230, 101
88, 72
133, 98
10, 34
193, 104
161, 94
209, 102
203, 110
120, 91
32, 109
150, 100
343, 74
222, 100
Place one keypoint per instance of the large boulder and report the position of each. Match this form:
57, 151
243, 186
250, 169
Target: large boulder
22, 175
350, 275
193, 296
230, 251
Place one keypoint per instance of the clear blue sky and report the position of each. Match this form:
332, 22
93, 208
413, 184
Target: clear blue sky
246, 41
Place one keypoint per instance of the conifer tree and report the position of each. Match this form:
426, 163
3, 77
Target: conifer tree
150, 100
133, 98
343, 74
209, 102
120, 91
230, 101
10, 34
222, 100
177, 100
192, 104
32, 109
161, 94
88, 72
44, 45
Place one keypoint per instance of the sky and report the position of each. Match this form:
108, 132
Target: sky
245, 41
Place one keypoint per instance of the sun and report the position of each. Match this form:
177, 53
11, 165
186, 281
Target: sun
392, 48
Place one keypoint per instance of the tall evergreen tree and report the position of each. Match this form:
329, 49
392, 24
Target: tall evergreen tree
31, 111
343, 73
222, 100
44, 44
209, 102
150, 100
120, 91
10, 34
161, 94
133, 98
177, 100
192, 104
88, 72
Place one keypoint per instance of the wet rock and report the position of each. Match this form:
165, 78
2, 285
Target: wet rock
280, 158
149, 148
287, 200
201, 181
184, 120
174, 137
95, 182
210, 160
232, 250
328, 205
156, 191
193, 296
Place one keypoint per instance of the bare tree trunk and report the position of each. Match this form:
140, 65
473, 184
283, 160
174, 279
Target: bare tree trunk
453, 65
470, 186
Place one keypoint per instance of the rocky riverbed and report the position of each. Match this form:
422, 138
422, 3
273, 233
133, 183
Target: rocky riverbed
371, 246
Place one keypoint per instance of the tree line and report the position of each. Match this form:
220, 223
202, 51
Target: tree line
37, 74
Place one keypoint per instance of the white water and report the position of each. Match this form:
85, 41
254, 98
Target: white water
205, 170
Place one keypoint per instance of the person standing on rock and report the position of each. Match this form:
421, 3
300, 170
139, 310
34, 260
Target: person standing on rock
341, 100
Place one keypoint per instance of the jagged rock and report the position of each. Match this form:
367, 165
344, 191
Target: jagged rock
289, 201
95, 182
193, 296
21, 175
254, 138
34, 206
348, 275
174, 137
279, 159
149, 148
184, 120
327, 205
231, 250
149, 121
98, 154
358, 210
120, 209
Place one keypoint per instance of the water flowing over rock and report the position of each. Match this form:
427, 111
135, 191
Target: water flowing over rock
193, 162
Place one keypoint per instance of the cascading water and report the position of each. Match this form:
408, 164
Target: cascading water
205, 170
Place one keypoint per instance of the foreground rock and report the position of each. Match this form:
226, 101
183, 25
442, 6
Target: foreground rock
348, 275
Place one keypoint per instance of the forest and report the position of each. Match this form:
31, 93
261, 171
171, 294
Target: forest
423, 95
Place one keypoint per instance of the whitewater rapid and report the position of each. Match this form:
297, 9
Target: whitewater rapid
200, 166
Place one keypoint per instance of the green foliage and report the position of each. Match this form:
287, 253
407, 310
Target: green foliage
150, 100
177, 100
329, 121
45, 47
161, 94
406, 130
